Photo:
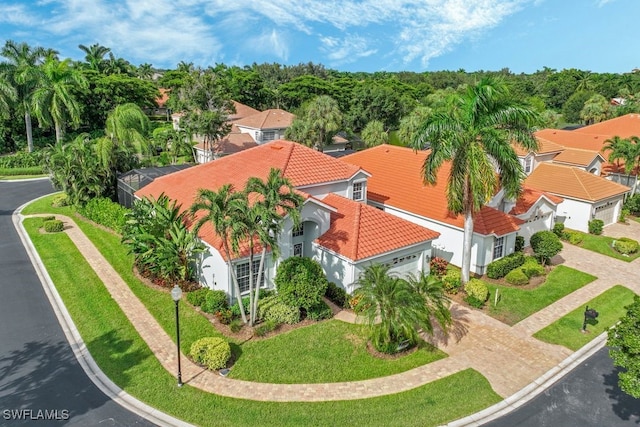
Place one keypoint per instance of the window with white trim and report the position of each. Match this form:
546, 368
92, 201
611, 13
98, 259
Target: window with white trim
498, 247
268, 135
298, 231
242, 274
358, 191
528, 162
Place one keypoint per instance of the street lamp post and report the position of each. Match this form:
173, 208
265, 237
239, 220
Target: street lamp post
176, 294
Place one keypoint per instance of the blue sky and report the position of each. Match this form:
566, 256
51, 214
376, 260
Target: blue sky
348, 35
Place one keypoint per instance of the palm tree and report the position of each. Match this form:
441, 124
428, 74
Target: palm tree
595, 110
374, 134
7, 95
476, 136
276, 200
627, 150
324, 119
127, 126
395, 310
95, 55
409, 124
145, 71
217, 209
21, 71
53, 100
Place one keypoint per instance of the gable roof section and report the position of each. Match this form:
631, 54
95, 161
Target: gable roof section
530, 197
544, 147
359, 231
268, 119
623, 126
573, 139
396, 181
573, 182
577, 157
232, 143
242, 111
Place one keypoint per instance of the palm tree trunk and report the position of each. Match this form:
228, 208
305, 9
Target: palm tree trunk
466, 246
27, 123
58, 133
254, 306
236, 286
251, 319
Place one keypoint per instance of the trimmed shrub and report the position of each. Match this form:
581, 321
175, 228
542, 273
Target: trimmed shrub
264, 328
197, 297
558, 229
452, 281
336, 295
517, 277
273, 308
224, 316
60, 200
499, 268
35, 170
477, 289
212, 352
596, 226
22, 159
104, 212
519, 247
319, 311
545, 245
624, 213
214, 301
300, 282
53, 226
625, 246
438, 266
532, 268
573, 237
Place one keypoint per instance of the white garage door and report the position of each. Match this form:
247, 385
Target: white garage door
605, 212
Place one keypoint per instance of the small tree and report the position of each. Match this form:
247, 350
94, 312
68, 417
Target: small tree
300, 282
545, 245
624, 341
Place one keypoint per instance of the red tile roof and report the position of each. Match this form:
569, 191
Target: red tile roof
232, 143
396, 181
359, 231
623, 126
268, 119
242, 111
163, 98
530, 197
544, 147
575, 156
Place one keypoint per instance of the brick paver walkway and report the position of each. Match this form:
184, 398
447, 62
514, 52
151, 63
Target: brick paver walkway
507, 356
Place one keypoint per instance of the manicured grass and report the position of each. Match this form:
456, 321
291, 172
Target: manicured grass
602, 245
567, 330
515, 304
18, 177
329, 351
125, 358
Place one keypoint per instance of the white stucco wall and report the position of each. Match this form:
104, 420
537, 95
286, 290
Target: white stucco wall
576, 214
213, 271
545, 212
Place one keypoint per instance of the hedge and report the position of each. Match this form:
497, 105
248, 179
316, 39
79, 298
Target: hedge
35, 170
517, 277
501, 267
625, 246
53, 226
212, 352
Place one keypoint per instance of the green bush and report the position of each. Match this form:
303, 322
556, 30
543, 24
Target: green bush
624, 213
264, 328
300, 282
438, 266
53, 226
60, 200
452, 281
517, 277
48, 218
625, 246
573, 237
235, 308
532, 268
212, 352
596, 226
474, 302
197, 297
104, 212
22, 160
36, 170
477, 289
319, 311
632, 204
235, 325
558, 229
273, 308
519, 247
224, 316
336, 295
214, 301
499, 268
545, 245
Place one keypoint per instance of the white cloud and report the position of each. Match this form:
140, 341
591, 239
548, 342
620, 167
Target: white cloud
15, 15
347, 49
270, 42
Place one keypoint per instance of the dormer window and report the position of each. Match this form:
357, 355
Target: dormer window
528, 162
358, 191
298, 231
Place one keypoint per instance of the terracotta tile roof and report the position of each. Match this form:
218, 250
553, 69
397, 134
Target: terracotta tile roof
396, 181
268, 119
163, 98
242, 111
573, 139
573, 182
359, 231
544, 147
574, 156
623, 126
232, 143
530, 197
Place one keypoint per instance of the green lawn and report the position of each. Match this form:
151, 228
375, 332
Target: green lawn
602, 245
515, 304
329, 351
567, 330
125, 358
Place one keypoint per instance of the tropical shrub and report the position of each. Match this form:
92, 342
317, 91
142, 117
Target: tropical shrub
438, 266
519, 247
319, 311
623, 339
625, 246
197, 297
477, 292
452, 281
215, 300
517, 277
633, 204
558, 229
22, 159
60, 200
212, 352
573, 237
235, 308
596, 226
532, 268
545, 245
300, 282
500, 267
53, 226
336, 294
624, 213
224, 316
105, 212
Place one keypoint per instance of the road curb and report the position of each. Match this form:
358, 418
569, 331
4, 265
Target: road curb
78, 346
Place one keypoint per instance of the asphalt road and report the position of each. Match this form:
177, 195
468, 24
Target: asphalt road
38, 370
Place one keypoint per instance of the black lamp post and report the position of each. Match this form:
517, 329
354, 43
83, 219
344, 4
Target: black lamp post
176, 294
589, 313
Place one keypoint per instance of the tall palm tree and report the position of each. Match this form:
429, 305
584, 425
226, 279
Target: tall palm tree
476, 137
95, 55
627, 150
126, 126
595, 110
53, 100
217, 208
145, 71
7, 95
21, 69
374, 134
324, 119
276, 200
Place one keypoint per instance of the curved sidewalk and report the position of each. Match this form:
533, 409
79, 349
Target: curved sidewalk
507, 356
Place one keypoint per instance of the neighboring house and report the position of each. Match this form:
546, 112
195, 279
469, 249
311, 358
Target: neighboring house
338, 228
234, 142
536, 208
588, 160
530, 160
586, 196
265, 126
396, 186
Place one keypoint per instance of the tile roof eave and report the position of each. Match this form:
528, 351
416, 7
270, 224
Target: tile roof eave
395, 250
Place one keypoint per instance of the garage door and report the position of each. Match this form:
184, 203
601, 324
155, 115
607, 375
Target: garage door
605, 212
